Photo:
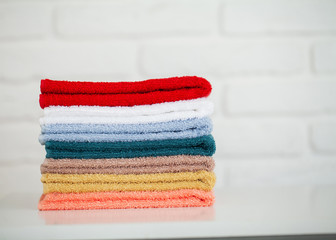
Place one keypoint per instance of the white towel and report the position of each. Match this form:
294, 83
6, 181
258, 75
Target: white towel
161, 112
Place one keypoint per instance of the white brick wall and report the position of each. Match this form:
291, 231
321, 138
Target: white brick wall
20, 101
252, 139
257, 16
221, 58
120, 18
325, 57
24, 21
271, 64
20, 143
60, 60
324, 137
282, 97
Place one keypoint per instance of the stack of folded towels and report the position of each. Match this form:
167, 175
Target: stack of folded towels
127, 144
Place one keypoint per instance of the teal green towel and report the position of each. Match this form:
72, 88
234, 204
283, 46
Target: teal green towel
204, 145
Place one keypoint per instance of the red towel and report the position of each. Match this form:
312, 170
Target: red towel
122, 200
66, 93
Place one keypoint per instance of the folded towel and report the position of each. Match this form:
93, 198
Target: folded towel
121, 200
123, 133
66, 183
170, 126
204, 145
161, 112
66, 93
143, 165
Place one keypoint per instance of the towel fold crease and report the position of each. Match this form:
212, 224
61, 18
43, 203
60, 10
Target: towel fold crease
67, 93
156, 113
204, 145
124, 133
65, 183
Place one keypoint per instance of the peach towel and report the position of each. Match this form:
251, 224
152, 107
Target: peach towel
67, 183
121, 200
140, 165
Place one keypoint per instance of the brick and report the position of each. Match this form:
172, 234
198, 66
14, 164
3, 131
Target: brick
24, 20
286, 97
325, 57
66, 60
120, 18
251, 139
245, 16
20, 102
20, 143
20, 179
266, 173
323, 196
324, 137
218, 59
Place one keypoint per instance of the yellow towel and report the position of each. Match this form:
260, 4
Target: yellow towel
66, 183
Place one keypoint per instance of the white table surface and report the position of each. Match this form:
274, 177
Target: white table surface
237, 212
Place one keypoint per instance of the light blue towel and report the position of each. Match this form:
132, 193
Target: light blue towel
179, 129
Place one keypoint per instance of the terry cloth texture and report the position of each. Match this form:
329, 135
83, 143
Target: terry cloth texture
66, 93
122, 200
182, 129
171, 126
66, 183
162, 112
204, 145
165, 164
